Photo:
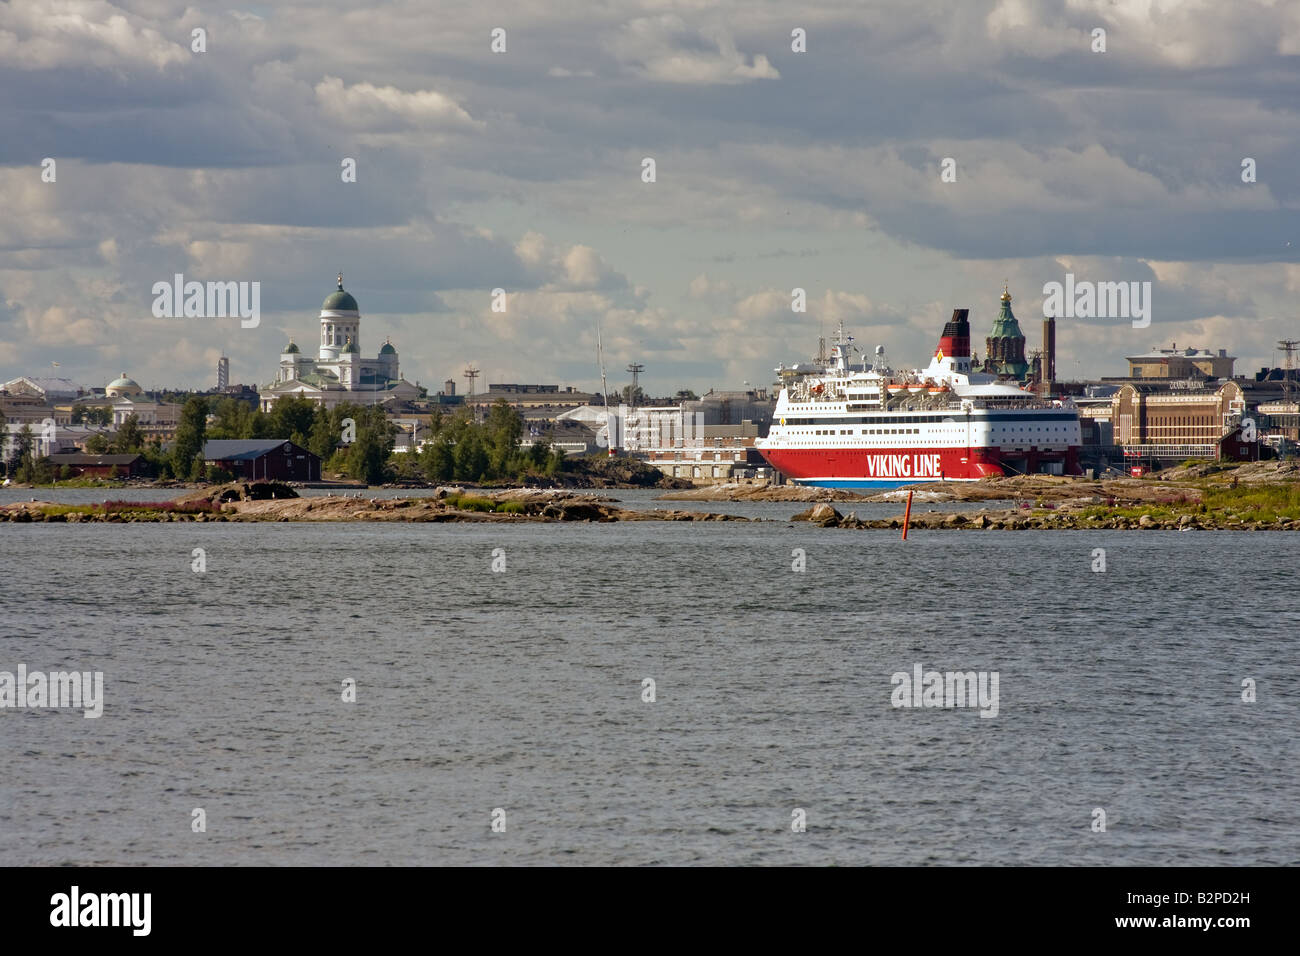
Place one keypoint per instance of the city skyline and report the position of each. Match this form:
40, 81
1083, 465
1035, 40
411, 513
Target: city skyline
821, 169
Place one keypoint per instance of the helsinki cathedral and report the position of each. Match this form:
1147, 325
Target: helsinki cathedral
338, 373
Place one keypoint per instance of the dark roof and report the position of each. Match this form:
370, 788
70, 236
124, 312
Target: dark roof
77, 458
241, 449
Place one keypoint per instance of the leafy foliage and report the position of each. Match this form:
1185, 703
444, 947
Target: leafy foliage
463, 449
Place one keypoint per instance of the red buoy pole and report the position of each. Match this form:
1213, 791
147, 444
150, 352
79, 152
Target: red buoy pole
907, 514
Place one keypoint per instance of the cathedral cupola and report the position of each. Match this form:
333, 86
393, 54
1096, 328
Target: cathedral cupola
1005, 347
340, 322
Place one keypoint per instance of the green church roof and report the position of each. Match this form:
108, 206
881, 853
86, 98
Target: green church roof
351, 348
388, 349
1005, 325
340, 301
290, 347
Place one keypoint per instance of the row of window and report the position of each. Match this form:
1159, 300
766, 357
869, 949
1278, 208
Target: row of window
935, 419
868, 431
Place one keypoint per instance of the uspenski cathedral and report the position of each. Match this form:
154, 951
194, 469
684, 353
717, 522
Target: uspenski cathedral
338, 373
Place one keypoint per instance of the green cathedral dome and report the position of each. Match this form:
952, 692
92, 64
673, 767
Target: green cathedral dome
340, 301
1005, 325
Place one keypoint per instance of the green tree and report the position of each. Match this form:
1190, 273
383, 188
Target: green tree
322, 438
503, 429
78, 414
471, 457
24, 455
367, 457
540, 454
129, 438
234, 419
438, 458
556, 463
292, 418
191, 435
160, 462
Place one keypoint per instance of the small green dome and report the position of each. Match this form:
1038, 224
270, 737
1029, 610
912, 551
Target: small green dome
123, 382
291, 348
388, 349
351, 348
340, 301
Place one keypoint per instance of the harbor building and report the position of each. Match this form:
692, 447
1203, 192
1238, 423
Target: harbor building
1174, 421
1176, 363
710, 439
80, 465
273, 459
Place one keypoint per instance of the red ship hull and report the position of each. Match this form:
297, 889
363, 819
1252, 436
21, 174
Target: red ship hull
853, 467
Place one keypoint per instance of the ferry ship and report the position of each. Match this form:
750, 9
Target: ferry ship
837, 425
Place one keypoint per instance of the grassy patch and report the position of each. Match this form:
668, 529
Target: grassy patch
1264, 503
470, 503
1257, 502
168, 507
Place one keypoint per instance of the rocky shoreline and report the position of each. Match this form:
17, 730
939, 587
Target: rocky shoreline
825, 516
272, 502
1263, 496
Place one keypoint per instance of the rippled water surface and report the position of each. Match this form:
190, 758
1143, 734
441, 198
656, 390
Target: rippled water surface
523, 690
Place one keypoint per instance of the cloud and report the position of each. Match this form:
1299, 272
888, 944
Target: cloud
666, 50
365, 106
557, 267
82, 33
478, 171
702, 287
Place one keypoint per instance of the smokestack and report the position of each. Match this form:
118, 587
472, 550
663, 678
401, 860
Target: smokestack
955, 340
1048, 371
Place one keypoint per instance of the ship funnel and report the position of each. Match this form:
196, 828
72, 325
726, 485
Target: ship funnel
955, 340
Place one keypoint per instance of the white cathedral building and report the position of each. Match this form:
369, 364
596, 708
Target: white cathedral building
338, 374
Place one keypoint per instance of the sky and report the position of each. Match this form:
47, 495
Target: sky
774, 169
